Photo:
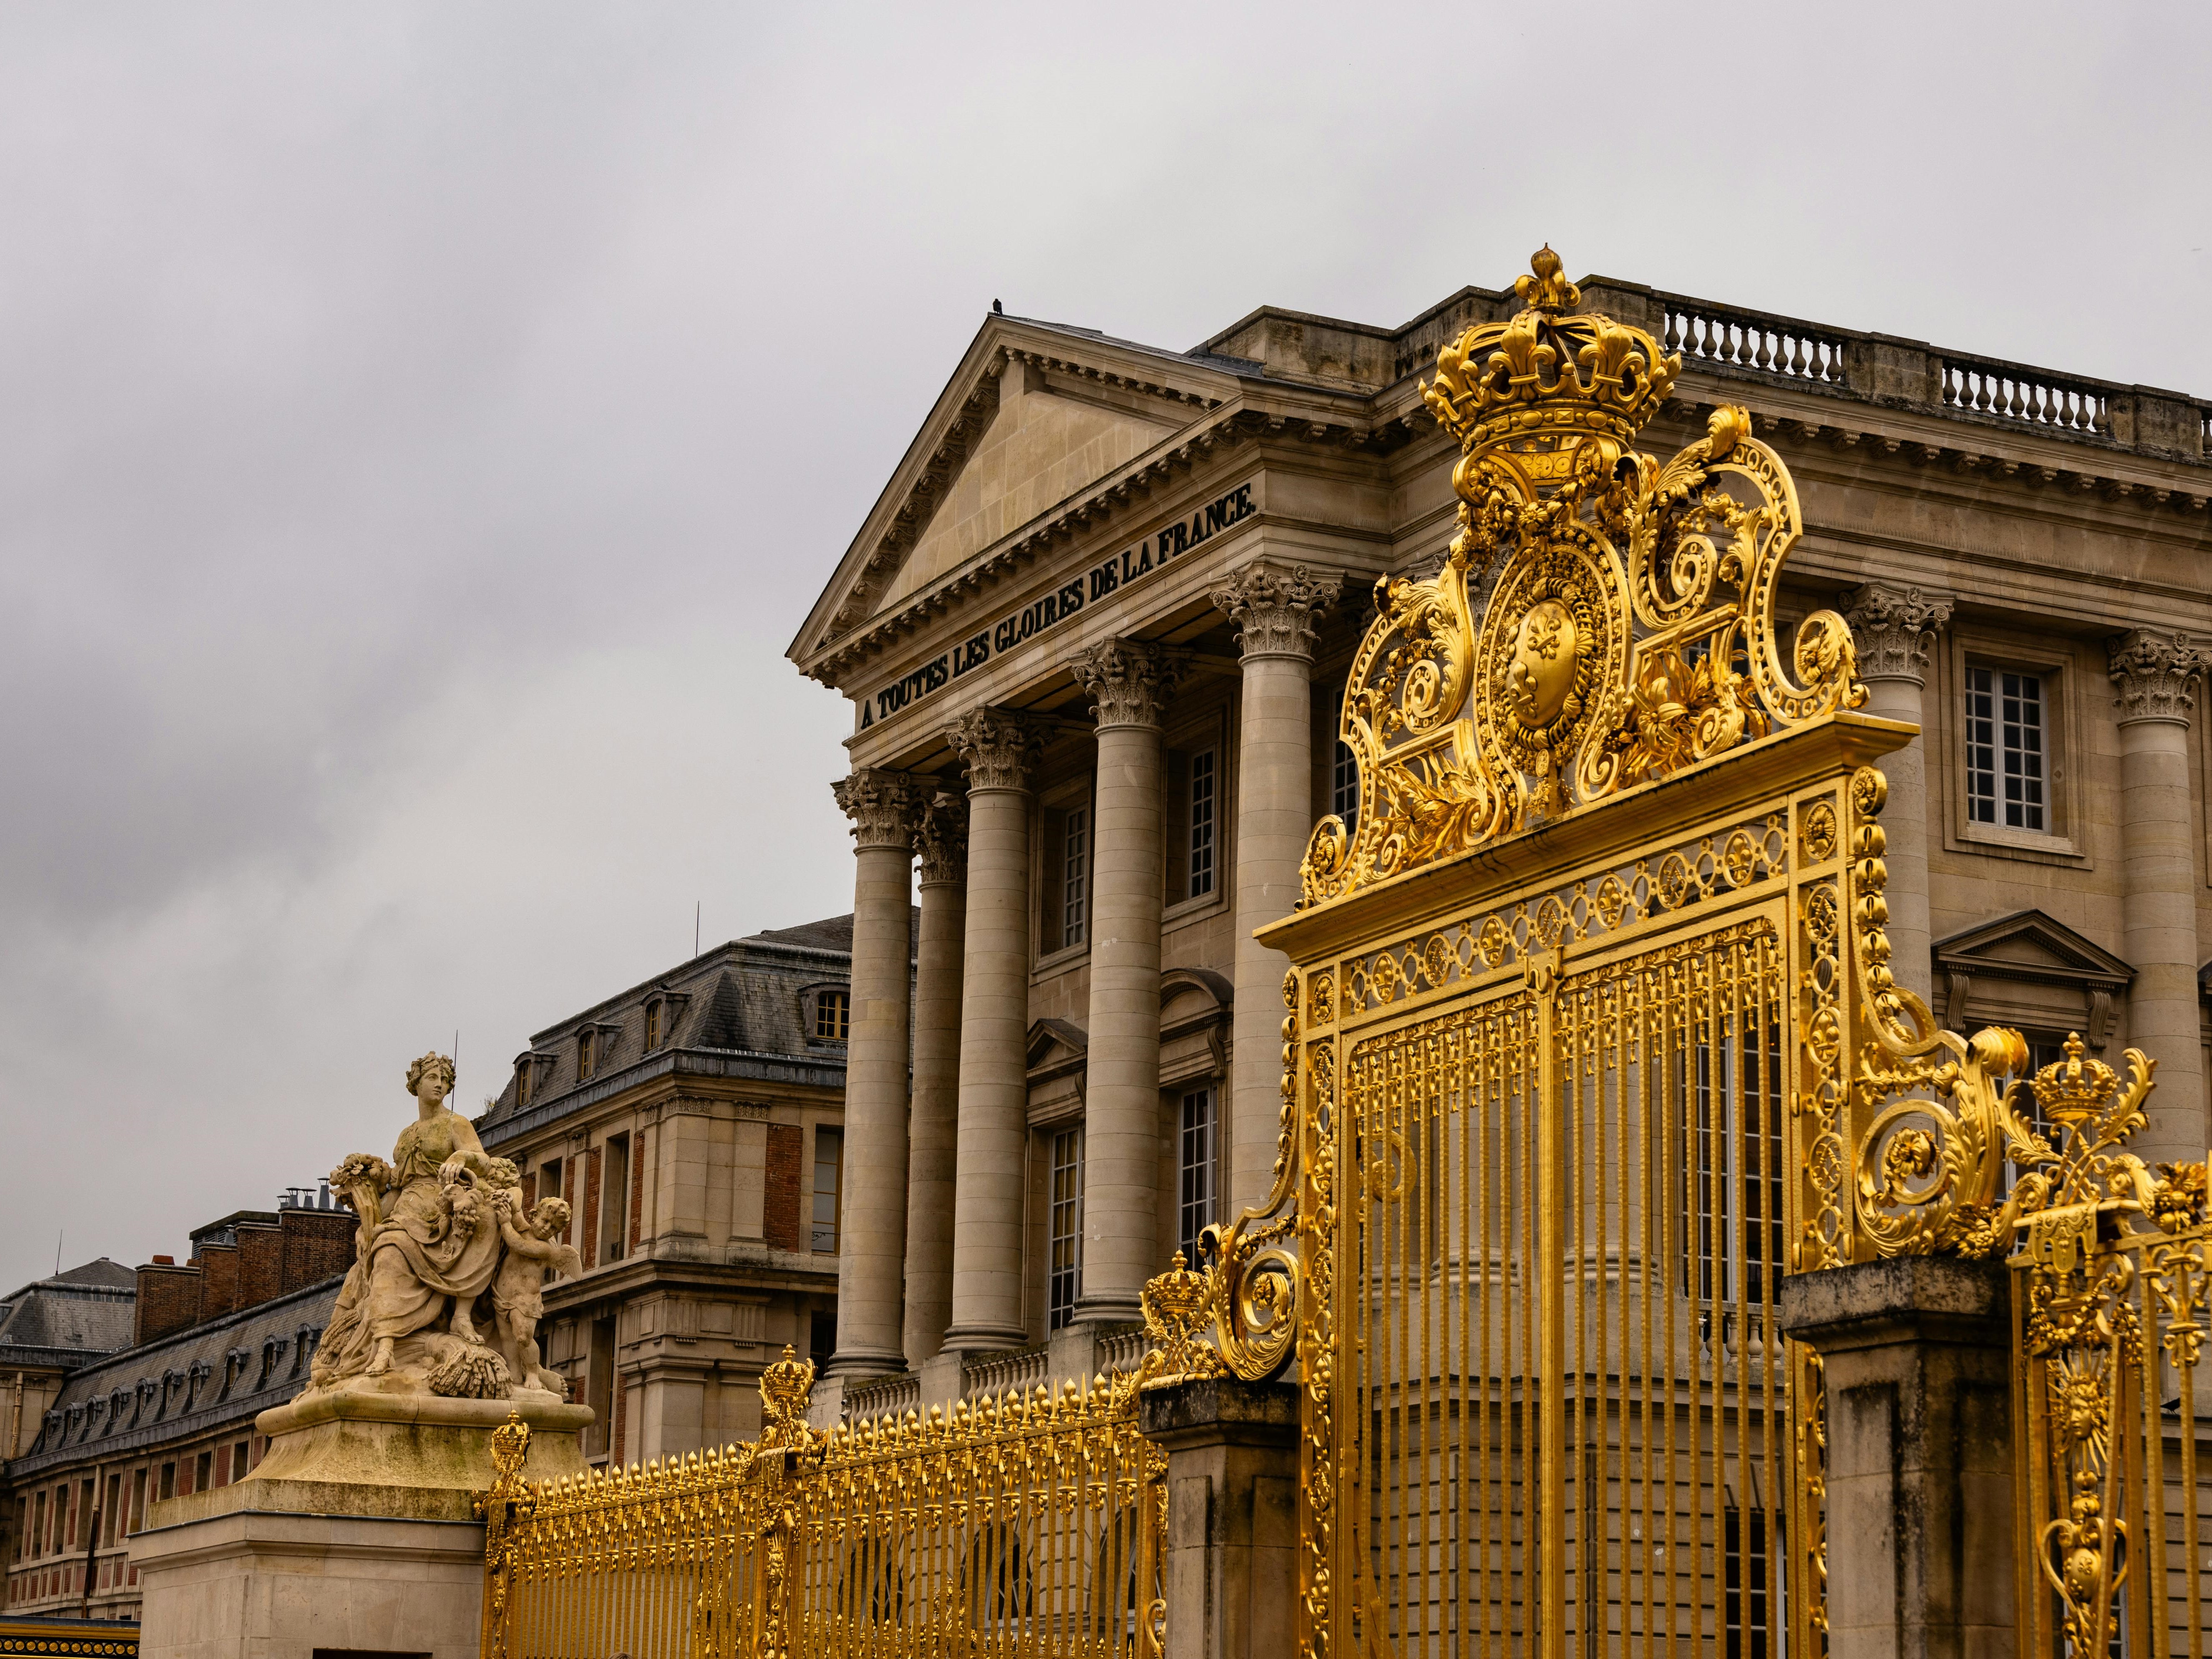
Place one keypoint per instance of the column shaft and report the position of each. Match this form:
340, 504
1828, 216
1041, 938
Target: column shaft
994, 1002
2156, 676
1122, 1094
1273, 609
871, 1244
1894, 629
932, 1181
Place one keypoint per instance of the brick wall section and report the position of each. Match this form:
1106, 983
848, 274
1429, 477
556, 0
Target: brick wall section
218, 1280
317, 1244
590, 1246
530, 1189
168, 1300
620, 1438
636, 1190
779, 1206
568, 1193
260, 1264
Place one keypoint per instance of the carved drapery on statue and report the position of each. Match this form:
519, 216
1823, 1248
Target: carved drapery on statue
1630, 630
447, 1289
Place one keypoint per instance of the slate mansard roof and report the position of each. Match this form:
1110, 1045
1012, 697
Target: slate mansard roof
223, 1371
69, 1318
742, 1009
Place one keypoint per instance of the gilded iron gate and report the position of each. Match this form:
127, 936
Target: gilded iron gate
1565, 1085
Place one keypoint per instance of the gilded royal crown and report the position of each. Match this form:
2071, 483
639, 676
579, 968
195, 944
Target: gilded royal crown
2073, 1091
785, 1388
1549, 371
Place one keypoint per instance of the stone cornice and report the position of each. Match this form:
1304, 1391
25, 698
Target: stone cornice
2155, 672
1894, 629
997, 746
1273, 606
886, 807
1129, 683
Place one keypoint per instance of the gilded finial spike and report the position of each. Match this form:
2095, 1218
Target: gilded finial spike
1547, 290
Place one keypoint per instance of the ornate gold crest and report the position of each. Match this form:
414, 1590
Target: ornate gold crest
1629, 627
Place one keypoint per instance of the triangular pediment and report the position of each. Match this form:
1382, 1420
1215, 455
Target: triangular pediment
1036, 414
1054, 1045
2031, 945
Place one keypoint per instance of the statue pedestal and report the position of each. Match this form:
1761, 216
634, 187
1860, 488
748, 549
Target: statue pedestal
357, 1531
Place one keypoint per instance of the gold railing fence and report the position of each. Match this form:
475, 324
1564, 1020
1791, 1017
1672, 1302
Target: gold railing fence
1027, 1526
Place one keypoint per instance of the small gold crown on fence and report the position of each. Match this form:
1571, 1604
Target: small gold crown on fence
786, 1387
1549, 372
2071, 1091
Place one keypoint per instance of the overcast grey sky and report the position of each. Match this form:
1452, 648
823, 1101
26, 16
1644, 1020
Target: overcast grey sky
423, 428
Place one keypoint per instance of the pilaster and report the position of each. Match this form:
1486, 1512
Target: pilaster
998, 751
1894, 629
1273, 606
2154, 675
1129, 685
884, 808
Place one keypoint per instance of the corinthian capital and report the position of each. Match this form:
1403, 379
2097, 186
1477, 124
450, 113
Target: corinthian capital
884, 806
997, 747
1129, 683
1274, 607
2157, 673
942, 840
1894, 629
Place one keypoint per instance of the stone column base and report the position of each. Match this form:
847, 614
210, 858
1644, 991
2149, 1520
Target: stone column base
357, 1531
250, 1583
1232, 1549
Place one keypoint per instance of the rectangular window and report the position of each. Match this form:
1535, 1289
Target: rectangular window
202, 1471
137, 1500
821, 1336
168, 1480
2005, 749
1733, 1124
548, 1185
829, 1156
651, 1025
1064, 1229
1195, 1210
1075, 875
1344, 785
614, 1200
1743, 1583
108, 1511
587, 1055
1201, 823
38, 1525
833, 1015
599, 1387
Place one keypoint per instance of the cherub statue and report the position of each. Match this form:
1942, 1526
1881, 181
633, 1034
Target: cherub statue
517, 1292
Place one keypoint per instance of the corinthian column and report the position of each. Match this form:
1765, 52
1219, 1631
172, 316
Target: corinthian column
930, 1179
1894, 629
2155, 673
1274, 608
871, 1244
1128, 684
994, 1022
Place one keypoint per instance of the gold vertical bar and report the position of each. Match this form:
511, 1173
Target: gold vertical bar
1549, 1265
2192, 1585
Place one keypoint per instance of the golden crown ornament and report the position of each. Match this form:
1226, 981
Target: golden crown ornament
1602, 620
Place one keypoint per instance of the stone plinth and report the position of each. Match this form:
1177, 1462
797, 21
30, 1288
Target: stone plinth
1232, 1550
357, 1531
1920, 1477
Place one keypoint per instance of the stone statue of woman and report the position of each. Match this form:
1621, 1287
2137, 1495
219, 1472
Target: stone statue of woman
429, 1245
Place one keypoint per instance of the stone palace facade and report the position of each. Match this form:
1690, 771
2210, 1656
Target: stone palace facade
1094, 633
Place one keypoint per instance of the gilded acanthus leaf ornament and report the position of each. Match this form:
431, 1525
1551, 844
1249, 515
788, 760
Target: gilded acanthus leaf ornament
1629, 631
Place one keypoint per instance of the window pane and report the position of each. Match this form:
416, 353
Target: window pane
1064, 1248
1195, 1205
1075, 887
1201, 823
829, 1148
1981, 747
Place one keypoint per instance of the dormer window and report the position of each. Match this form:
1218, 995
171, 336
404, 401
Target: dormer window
651, 1025
522, 1070
587, 1055
833, 1015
